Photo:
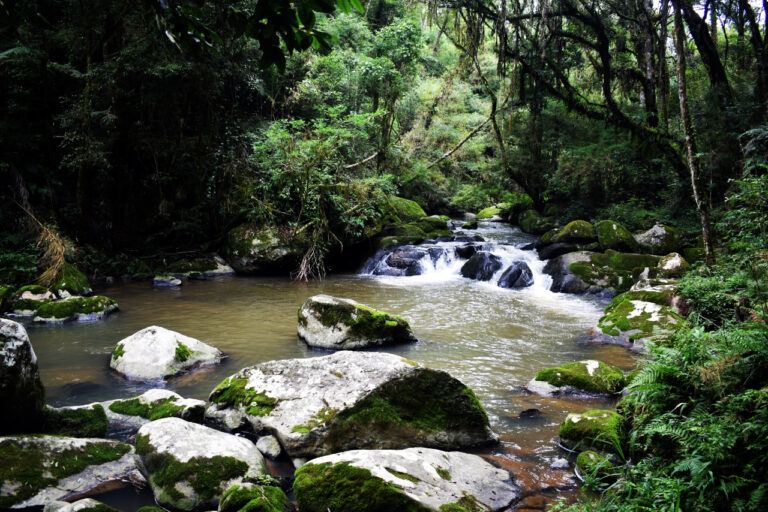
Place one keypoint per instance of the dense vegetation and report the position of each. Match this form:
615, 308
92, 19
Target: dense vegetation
133, 133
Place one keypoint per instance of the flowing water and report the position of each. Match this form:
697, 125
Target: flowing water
491, 338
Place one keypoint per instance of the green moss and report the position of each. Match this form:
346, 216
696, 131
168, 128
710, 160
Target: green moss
598, 429
81, 422
424, 401
577, 231
344, 488
444, 473
428, 224
32, 288
151, 508
184, 266
621, 316
392, 241
71, 280
255, 498
405, 209
469, 225
488, 213
531, 222
234, 391
68, 308
405, 230
605, 379
549, 235
141, 442
613, 235
403, 476
152, 411
465, 504
26, 463
693, 254
364, 322
337, 374
323, 416
182, 352
118, 352
593, 465
27, 305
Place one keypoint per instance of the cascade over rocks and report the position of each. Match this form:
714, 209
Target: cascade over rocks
481, 266
350, 400
36, 470
343, 324
518, 275
190, 466
20, 385
156, 353
414, 479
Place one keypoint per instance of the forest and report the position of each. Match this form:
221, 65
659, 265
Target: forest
142, 139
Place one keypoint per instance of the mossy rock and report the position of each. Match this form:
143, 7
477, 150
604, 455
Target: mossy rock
613, 270
595, 466
577, 232
70, 281
35, 289
612, 235
393, 241
20, 386
80, 308
660, 240
405, 209
253, 249
532, 222
248, 497
30, 465
489, 213
547, 237
469, 225
86, 421
600, 430
433, 223
591, 376
673, 266
189, 265
630, 317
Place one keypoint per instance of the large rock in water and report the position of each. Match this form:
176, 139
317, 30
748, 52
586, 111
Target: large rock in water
342, 324
350, 400
20, 386
190, 466
36, 470
481, 266
600, 430
415, 479
130, 414
660, 239
578, 377
261, 250
593, 272
156, 353
518, 275
634, 317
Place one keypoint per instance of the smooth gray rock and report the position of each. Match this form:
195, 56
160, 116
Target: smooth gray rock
156, 353
20, 385
481, 266
170, 442
660, 239
191, 409
269, 446
518, 275
434, 478
165, 281
328, 404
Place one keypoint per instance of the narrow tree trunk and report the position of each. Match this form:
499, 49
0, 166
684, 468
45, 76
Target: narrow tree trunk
663, 74
690, 142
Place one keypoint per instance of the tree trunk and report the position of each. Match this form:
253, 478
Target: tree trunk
690, 142
663, 74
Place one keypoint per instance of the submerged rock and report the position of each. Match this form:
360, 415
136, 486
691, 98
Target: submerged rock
578, 377
190, 466
518, 275
466, 251
36, 470
165, 281
600, 430
350, 400
261, 250
660, 239
20, 385
341, 324
481, 266
412, 479
156, 353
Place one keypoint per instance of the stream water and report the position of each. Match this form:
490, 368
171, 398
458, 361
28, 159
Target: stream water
491, 338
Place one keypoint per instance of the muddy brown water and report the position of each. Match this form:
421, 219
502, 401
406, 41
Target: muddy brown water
492, 339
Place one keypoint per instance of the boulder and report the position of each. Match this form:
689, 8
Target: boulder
189, 466
563, 279
405, 209
660, 239
632, 318
518, 275
129, 414
596, 466
481, 266
586, 272
70, 281
472, 224
672, 266
414, 479
599, 430
466, 251
165, 281
269, 446
78, 421
82, 309
550, 250
589, 376
341, 324
36, 470
350, 400
576, 232
261, 250
531, 222
492, 213
20, 386
407, 259
84, 505
250, 497
156, 353
612, 235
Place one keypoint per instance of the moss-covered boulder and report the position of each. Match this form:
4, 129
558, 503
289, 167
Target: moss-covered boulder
672, 266
70, 281
79, 421
470, 224
84, 505
249, 497
190, 466
585, 272
578, 377
592, 464
343, 324
349, 400
415, 479
577, 232
20, 385
36, 470
612, 235
262, 250
155, 353
660, 240
636, 316
532, 222
82, 309
599, 430
127, 415
492, 213
405, 209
